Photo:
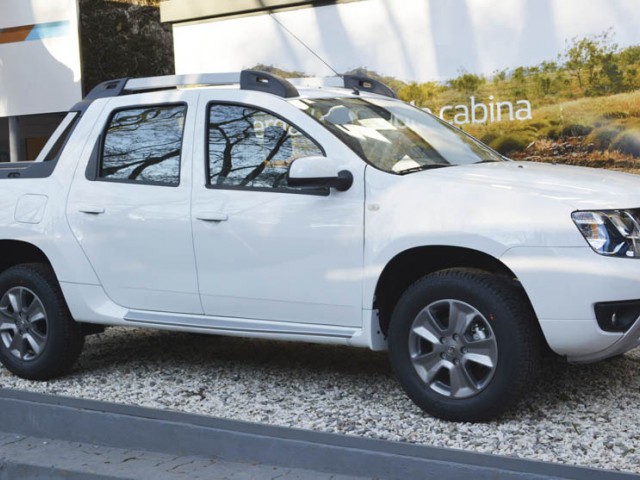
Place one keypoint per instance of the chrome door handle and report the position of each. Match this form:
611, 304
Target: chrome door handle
213, 217
91, 209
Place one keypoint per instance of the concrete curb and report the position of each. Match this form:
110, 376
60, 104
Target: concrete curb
181, 434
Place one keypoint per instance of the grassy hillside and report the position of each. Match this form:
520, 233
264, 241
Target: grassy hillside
595, 124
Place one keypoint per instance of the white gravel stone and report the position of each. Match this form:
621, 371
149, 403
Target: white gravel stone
585, 415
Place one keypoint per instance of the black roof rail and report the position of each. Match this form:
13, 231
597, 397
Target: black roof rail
268, 83
110, 88
360, 82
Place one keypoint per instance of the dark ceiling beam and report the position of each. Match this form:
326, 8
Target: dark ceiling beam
177, 11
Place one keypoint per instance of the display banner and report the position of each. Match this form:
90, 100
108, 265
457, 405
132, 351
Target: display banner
39, 56
532, 78
34, 32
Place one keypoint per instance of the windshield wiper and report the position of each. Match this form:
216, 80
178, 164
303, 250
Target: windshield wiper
425, 167
487, 161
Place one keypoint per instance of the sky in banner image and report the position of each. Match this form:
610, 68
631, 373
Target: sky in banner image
561, 74
413, 40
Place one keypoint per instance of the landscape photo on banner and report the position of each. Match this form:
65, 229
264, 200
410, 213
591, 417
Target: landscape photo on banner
582, 107
548, 80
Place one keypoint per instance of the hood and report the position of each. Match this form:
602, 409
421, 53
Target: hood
494, 206
579, 187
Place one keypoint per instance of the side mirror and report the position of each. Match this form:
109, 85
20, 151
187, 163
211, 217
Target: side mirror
318, 172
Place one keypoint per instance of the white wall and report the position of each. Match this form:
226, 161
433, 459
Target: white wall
409, 39
39, 76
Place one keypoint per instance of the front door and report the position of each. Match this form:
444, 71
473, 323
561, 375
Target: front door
265, 250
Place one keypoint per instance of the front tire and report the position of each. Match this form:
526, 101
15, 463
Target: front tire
464, 344
38, 338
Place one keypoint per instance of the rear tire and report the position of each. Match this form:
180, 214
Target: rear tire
464, 344
38, 338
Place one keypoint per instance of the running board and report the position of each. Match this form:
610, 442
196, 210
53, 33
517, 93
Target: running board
238, 325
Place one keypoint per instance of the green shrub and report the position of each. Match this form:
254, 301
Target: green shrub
627, 142
488, 137
539, 125
614, 115
510, 143
552, 133
631, 124
602, 137
606, 118
576, 130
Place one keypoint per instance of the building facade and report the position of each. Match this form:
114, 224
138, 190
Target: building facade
508, 72
39, 72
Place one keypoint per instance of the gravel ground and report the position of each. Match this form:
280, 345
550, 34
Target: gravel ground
579, 414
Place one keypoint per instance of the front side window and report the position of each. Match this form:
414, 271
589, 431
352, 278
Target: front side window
396, 137
252, 148
143, 144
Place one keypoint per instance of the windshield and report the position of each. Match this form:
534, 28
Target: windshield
394, 136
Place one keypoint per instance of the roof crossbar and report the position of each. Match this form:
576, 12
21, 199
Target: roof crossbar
171, 81
356, 82
314, 82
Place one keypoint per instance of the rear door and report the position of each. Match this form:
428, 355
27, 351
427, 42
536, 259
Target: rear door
130, 207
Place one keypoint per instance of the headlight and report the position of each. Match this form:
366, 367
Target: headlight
611, 232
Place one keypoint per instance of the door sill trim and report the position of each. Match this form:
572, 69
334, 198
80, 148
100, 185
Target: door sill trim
241, 325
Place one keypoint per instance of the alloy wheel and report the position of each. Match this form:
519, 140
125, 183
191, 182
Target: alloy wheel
453, 348
23, 323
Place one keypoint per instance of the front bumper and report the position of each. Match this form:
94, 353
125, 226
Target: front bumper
628, 341
564, 284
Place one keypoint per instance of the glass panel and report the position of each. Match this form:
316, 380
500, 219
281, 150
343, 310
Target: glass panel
67, 125
252, 148
396, 137
144, 144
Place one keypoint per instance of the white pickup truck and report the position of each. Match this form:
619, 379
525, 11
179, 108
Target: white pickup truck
245, 204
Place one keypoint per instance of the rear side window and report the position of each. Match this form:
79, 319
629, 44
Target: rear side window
143, 145
250, 148
54, 153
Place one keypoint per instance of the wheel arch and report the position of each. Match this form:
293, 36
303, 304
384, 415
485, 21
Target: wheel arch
45, 340
412, 264
16, 252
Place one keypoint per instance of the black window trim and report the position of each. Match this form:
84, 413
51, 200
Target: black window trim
93, 166
318, 191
